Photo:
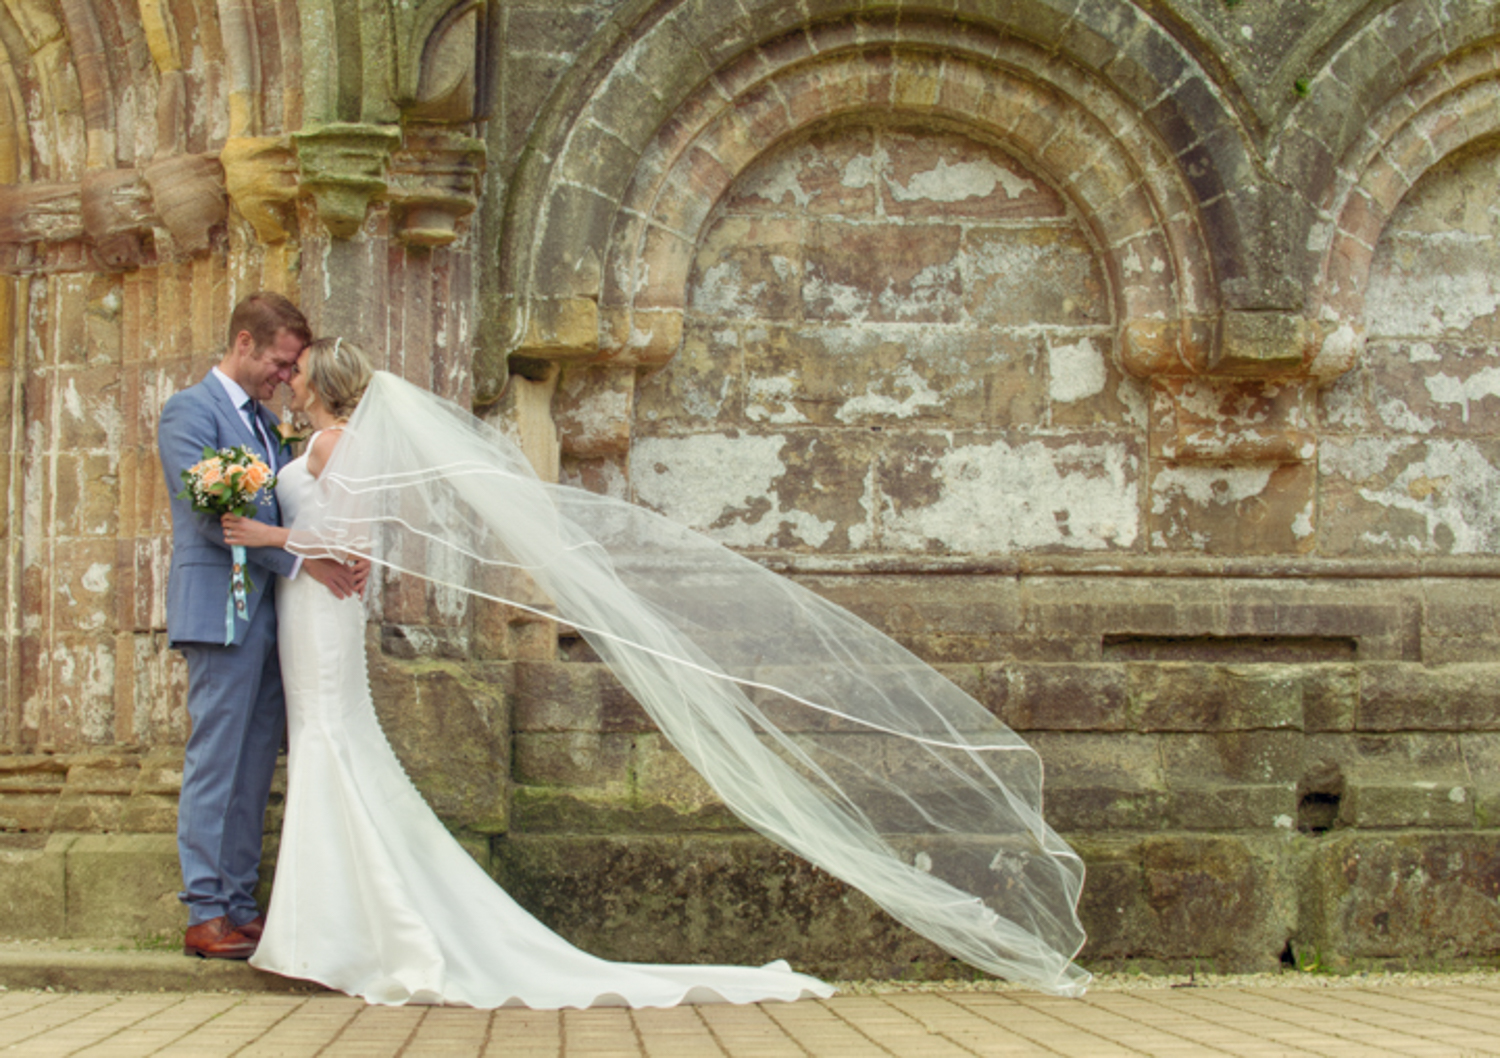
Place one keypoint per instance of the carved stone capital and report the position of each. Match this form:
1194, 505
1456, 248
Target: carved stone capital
260, 174
435, 182
344, 169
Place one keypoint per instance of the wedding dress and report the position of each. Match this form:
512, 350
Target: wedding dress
373, 897
814, 728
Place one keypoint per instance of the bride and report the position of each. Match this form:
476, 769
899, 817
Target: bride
817, 730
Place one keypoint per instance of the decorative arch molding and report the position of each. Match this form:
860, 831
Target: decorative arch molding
1383, 69
659, 64
1097, 153
1456, 104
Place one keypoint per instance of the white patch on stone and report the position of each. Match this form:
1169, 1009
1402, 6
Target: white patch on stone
715, 483
1429, 302
843, 300
1282, 821
1464, 513
1302, 525
722, 292
765, 392
775, 185
96, 577
875, 405
1076, 371
861, 170
1395, 414
1000, 497
1202, 486
1458, 795
954, 183
923, 863
1445, 389
1422, 353
930, 290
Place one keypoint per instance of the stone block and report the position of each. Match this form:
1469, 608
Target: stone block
1264, 509
449, 725
930, 174
1061, 697
585, 759
705, 898
1406, 697
749, 266
1391, 496
883, 272
33, 885
1032, 276
123, 885
1233, 806
1423, 804
1254, 757
905, 606
704, 384
1225, 902
1179, 696
1443, 386
885, 375
1415, 898
826, 175
785, 490
983, 493
1098, 782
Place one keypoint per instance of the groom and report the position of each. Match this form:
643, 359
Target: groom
234, 678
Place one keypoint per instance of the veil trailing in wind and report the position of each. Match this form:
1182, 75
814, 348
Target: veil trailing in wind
815, 729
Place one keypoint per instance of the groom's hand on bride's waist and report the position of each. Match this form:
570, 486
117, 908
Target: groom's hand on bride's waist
343, 579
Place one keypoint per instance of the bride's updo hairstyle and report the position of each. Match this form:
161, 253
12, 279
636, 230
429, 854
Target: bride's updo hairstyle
337, 373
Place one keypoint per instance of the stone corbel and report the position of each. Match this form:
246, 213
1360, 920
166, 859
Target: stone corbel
1236, 390
117, 217
435, 183
260, 174
344, 169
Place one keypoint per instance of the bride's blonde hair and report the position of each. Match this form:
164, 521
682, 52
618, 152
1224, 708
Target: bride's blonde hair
337, 373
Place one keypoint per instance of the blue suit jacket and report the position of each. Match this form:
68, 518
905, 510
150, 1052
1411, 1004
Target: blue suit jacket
199, 417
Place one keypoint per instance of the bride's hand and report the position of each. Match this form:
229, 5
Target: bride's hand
247, 532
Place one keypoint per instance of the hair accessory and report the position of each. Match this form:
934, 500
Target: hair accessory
337, 342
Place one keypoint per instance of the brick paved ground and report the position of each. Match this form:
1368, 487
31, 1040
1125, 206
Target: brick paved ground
1422, 1021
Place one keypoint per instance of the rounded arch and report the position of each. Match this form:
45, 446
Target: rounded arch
1444, 112
612, 201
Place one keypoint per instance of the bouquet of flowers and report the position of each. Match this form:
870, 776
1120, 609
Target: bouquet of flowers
228, 481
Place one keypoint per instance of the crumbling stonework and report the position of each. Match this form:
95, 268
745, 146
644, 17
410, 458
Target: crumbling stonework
1132, 363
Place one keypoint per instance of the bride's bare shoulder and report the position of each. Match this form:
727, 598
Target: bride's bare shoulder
322, 448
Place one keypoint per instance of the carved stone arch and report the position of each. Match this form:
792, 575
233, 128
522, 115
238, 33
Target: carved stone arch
1368, 79
1084, 140
1450, 108
659, 60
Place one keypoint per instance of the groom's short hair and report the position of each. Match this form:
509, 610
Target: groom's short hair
264, 314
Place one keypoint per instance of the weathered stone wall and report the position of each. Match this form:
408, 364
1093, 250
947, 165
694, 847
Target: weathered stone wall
1131, 363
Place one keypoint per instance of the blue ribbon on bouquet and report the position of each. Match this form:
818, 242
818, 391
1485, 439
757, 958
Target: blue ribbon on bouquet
237, 604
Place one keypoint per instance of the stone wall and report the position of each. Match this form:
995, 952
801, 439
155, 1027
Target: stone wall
1133, 363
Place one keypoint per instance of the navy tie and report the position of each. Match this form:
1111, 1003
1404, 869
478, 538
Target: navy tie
253, 410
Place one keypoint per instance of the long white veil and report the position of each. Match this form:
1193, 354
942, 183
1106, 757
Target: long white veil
814, 728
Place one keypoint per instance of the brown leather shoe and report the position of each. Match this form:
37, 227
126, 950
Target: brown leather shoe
217, 939
254, 928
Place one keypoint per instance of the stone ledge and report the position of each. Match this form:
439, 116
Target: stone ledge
97, 967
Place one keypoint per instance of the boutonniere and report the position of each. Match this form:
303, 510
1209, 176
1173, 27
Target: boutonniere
289, 435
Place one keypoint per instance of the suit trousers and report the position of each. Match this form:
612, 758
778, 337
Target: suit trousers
238, 711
